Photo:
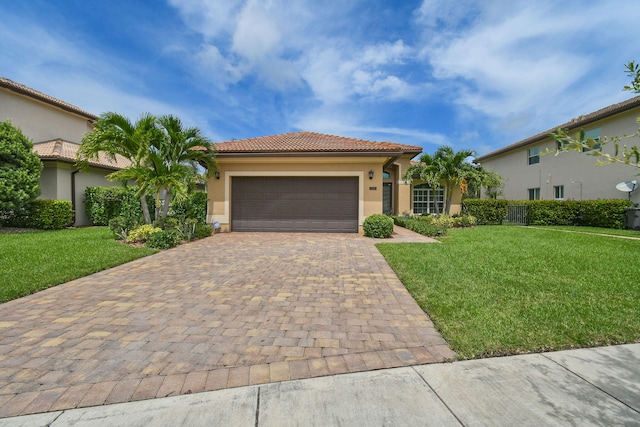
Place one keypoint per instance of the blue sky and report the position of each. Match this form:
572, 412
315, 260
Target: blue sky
470, 74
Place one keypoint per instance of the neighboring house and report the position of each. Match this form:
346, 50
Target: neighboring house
56, 128
307, 181
569, 175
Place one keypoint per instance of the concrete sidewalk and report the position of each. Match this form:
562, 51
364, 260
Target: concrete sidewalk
598, 386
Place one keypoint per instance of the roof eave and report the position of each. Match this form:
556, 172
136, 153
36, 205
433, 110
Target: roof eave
571, 126
315, 153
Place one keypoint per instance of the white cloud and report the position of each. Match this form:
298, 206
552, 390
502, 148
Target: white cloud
528, 65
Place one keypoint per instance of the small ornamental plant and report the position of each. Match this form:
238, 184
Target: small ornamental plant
142, 233
378, 226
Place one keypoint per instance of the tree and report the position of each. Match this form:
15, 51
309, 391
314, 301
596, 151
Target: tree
115, 135
629, 155
164, 155
445, 165
20, 169
182, 151
480, 178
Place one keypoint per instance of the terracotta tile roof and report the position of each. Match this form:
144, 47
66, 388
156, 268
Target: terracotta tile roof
65, 151
310, 142
575, 123
25, 90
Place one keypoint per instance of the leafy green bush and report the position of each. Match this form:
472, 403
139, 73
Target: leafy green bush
602, 213
378, 226
419, 226
551, 212
193, 206
608, 213
20, 169
43, 214
102, 204
203, 230
142, 233
164, 239
465, 221
487, 211
121, 226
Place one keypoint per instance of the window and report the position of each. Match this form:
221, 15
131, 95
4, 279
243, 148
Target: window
533, 155
558, 192
426, 199
595, 135
534, 193
386, 175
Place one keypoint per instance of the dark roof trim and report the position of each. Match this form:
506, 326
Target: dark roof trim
575, 123
32, 93
61, 159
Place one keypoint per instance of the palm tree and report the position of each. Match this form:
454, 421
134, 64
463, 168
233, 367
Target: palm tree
175, 160
444, 165
113, 135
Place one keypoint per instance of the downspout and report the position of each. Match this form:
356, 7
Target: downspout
73, 194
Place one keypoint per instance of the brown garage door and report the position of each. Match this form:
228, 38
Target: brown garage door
315, 204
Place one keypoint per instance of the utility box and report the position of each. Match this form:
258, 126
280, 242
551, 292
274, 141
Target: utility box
633, 218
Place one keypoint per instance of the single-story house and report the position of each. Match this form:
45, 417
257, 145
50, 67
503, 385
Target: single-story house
529, 174
56, 128
311, 182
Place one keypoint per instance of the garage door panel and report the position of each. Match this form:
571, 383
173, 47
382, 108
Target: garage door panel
315, 204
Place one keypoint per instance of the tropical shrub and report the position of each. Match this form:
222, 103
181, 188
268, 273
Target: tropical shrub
419, 226
121, 226
378, 226
203, 230
20, 170
164, 239
142, 233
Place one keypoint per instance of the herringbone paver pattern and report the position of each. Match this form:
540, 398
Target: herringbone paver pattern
227, 311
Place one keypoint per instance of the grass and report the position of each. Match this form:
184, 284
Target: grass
498, 290
597, 230
30, 262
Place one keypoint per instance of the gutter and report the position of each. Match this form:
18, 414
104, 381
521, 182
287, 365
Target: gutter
73, 194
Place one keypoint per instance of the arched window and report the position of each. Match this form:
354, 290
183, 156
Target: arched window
427, 199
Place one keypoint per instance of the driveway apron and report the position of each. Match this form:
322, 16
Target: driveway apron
230, 310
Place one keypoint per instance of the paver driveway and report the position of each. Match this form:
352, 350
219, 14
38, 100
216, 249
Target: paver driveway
231, 310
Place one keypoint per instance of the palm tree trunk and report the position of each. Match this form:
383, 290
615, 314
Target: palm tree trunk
145, 209
167, 202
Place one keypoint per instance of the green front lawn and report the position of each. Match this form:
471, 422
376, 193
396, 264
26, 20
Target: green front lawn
500, 290
30, 262
596, 230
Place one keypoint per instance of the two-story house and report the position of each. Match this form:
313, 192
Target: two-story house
531, 174
56, 129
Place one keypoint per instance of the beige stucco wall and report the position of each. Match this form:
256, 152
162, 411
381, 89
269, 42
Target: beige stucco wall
41, 121
55, 184
578, 172
370, 190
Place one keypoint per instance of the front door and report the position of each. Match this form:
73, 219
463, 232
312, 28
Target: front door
387, 206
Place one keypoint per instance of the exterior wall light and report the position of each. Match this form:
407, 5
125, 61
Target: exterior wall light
217, 174
371, 174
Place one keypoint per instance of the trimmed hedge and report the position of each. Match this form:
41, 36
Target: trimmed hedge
421, 227
378, 226
487, 211
102, 204
43, 215
609, 213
